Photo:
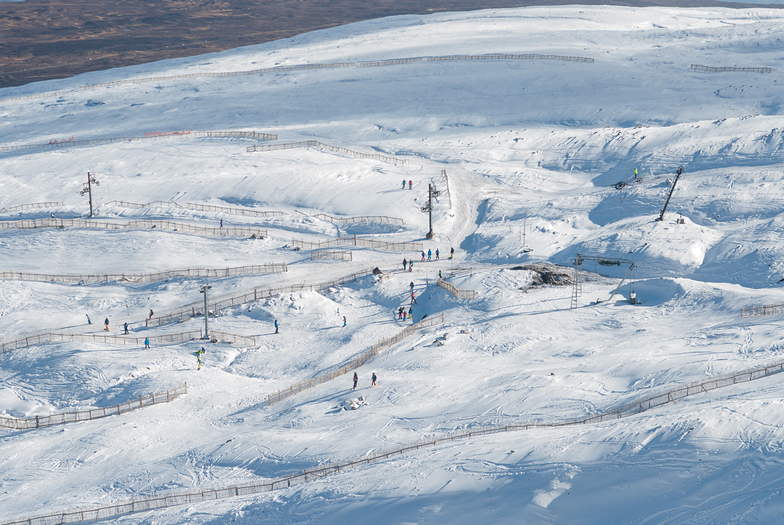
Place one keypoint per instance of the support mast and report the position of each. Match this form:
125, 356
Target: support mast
678, 176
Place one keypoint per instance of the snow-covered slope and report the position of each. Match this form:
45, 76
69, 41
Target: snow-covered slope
533, 152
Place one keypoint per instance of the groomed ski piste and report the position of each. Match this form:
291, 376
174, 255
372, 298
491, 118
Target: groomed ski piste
533, 159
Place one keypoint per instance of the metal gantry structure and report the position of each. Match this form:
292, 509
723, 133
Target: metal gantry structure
609, 261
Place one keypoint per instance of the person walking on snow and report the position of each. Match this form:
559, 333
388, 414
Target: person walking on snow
198, 357
106, 324
276, 326
404, 183
429, 255
436, 254
373, 378
423, 256
146, 343
410, 313
451, 253
411, 284
344, 321
400, 312
439, 275
405, 263
410, 184
356, 378
150, 314
221, 223
126, 328
410, 266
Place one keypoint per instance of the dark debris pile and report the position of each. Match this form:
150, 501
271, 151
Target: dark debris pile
549, 274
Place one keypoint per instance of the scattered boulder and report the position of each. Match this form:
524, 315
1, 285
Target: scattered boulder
354, 404
376, 271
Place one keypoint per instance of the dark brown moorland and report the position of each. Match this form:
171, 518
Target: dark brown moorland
46, 39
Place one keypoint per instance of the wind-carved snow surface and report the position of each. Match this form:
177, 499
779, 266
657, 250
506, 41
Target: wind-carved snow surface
533, 151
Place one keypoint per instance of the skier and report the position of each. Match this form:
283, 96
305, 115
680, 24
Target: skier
404, 183
405, 263
410, 313
146, 343
439, 275
400, 312
221, 223
356, 378
451, 253
106, 324
413, 299
411, 284
436, 254
429, 255
410, 184
126, 328
276, 326
344, 321
88, 319
423, 256
198, 357
150, 315
373, 379
410, 266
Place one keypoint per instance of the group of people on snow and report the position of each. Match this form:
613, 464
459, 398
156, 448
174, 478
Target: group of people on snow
373, 379
125, 328
403, 315
409, 265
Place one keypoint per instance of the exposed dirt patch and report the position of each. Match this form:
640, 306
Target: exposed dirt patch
45, 39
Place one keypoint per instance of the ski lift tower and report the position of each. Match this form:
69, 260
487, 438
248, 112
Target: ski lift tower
526, 249
203, 289
89, 190
678, 176
428, 208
